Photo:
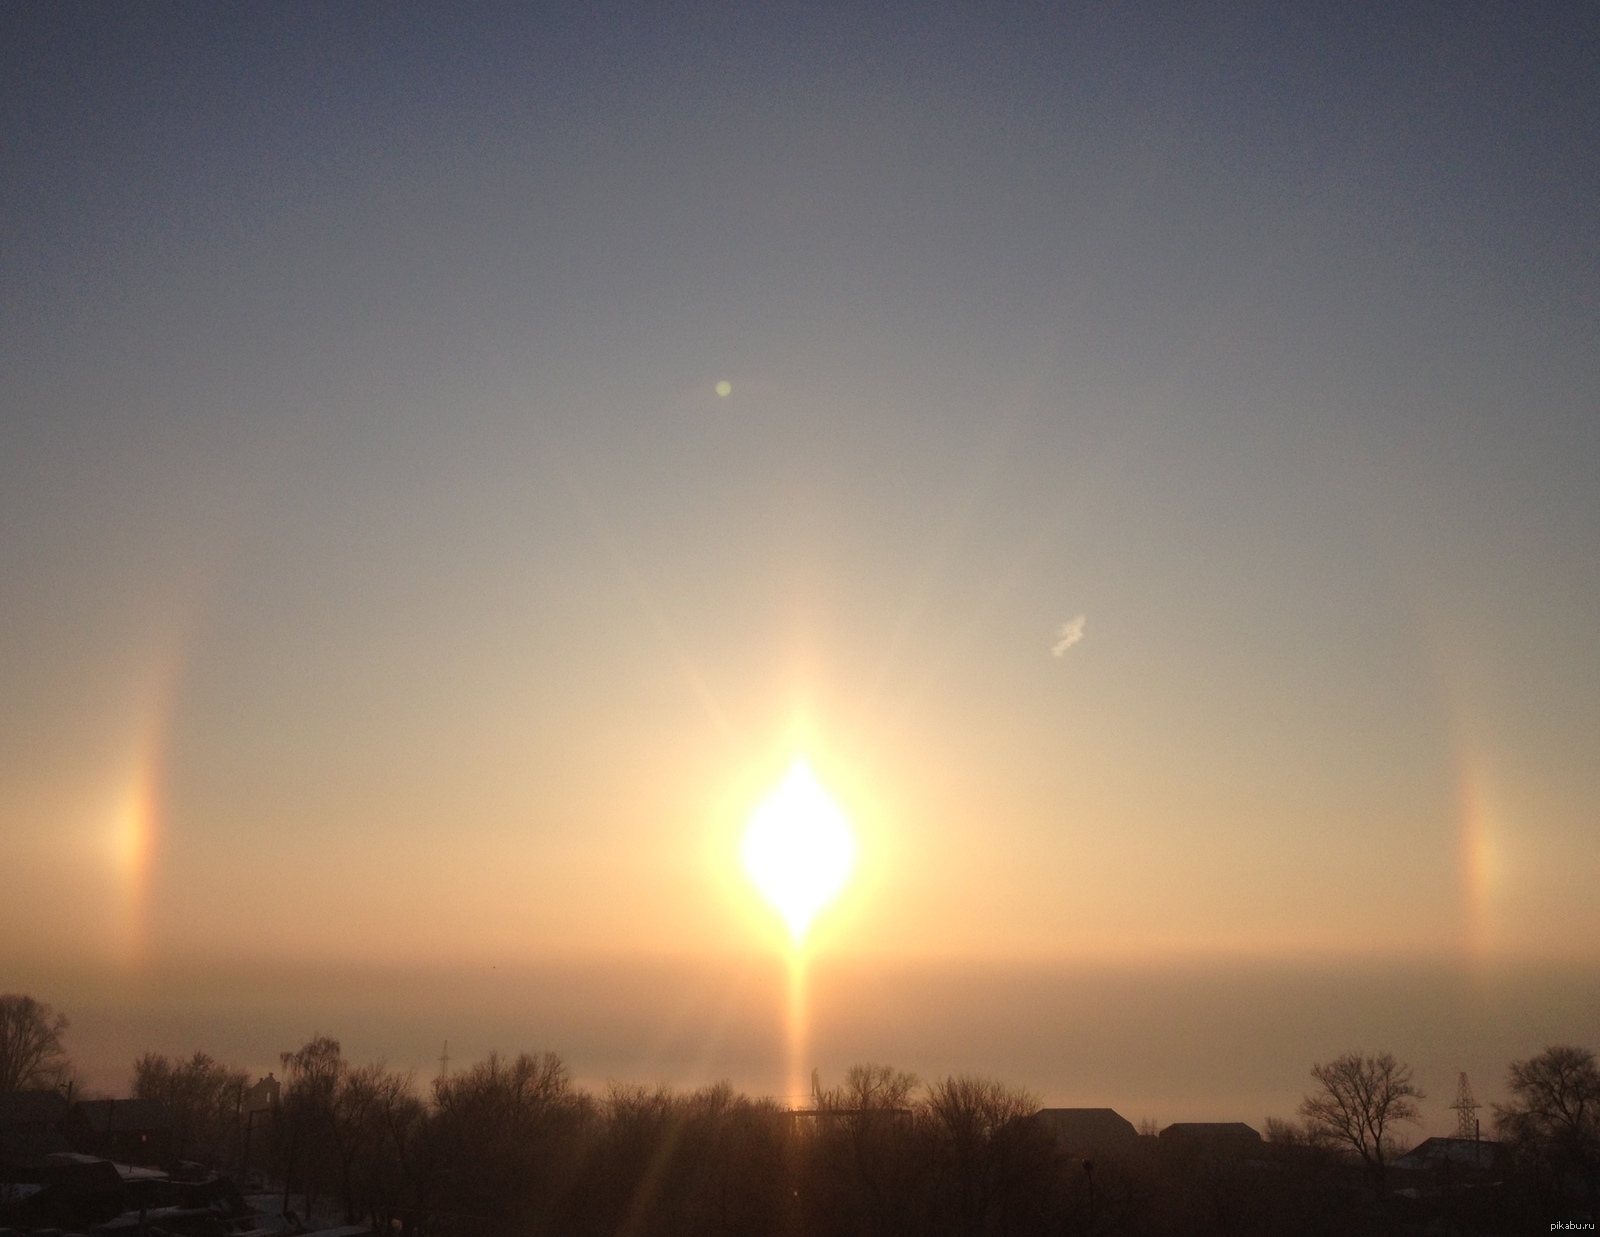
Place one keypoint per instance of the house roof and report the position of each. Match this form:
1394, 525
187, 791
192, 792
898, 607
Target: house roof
80, 1171
124, 1116
1437, 1151
31, 1108
1087, 1126
1210, 1132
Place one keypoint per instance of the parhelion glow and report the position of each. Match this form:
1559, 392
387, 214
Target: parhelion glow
799, 848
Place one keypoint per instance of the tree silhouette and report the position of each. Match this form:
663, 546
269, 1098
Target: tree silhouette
503, 1139
1361, 1097
202, 1096
30, 1044
1553, 1121
863, 1153
313, 1077
983, 1148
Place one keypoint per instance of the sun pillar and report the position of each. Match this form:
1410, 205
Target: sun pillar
798, 851
795, 1081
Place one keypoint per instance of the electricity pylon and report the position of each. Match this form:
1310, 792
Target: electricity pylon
1466, 1110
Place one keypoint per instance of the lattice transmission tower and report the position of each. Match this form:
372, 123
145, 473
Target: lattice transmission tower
1466, 1110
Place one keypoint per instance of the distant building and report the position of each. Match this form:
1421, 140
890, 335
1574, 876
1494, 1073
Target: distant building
30, 1126
263, 1096
127, 1131
1224, 1139
67, 1191
1435, 1154
1088, 1129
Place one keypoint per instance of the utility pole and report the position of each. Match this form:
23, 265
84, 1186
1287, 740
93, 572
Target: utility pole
444, 1061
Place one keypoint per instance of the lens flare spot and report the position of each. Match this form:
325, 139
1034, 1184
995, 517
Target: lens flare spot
724, 388
799, 849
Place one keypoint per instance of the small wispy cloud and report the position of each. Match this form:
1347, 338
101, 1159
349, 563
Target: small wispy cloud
1069, 635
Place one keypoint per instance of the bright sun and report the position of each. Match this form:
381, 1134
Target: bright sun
799, 849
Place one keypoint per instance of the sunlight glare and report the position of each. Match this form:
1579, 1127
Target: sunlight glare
799, 848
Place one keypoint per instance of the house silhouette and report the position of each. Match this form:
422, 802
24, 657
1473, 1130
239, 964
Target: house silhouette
1088, 1129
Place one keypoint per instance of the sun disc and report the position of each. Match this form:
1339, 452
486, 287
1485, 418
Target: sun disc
799, 848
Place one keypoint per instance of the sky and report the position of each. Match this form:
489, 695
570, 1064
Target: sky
1155, 490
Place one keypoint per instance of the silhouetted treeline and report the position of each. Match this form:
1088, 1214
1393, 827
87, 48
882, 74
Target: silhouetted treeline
512, 1147
204, 1099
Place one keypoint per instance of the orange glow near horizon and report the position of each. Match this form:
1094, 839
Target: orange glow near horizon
1477, 860
795, 1040
133, 836
132, 841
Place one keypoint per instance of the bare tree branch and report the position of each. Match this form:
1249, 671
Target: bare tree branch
30, 1044
1361, 1098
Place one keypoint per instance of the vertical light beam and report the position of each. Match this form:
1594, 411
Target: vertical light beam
795, 1085
798, 851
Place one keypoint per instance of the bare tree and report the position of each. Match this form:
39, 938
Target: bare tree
860, 1152
1361, 1097
981, 1145
871, 1088
30, 1044
203, 1097
314, 1075
1553, 1121
503, 1137
363, 1104
1290, 1134
391, 1178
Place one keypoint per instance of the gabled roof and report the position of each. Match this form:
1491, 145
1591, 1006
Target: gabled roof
124, 1116
31, 1108
1431, 1152
1210, 1133
1087, 1127
80, 1171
